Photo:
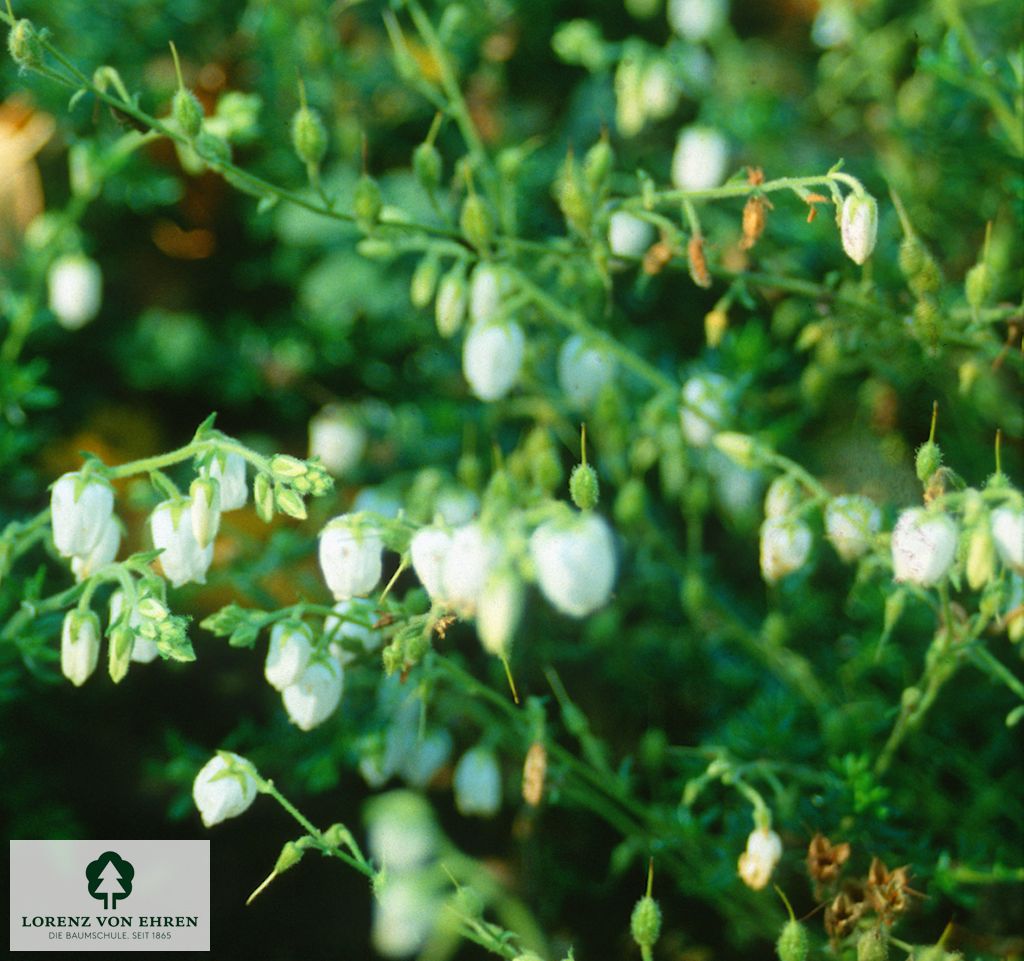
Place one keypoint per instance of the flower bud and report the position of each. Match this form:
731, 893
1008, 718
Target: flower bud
24, 45
923, 546
338, 439
315, 695
144, 650
716, 323
428, 549
645, 922
597, 166
498, 611
1008, 533
309, 136
79, 645
229, 472
757, 862
204, 494
739, 448
851, 523
182, 559
263, 497
785, 547
119, 652
873, 945
424, 281
572, 198
291, 647
489, 286
978, 285
927, 461
858, 225
472, 555
628, 235
102, 554
704, 408
475, 223
75, 286
981, 557
477, 783
187, 112
350, 557
583, 372
575, 562
450, 306
366, 203
222, 790
583, 487
700, 159
491, 358
696, 20
793, 942
783, 496
427, 165
80, 510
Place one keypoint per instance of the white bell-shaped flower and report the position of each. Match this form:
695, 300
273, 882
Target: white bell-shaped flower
782, 497
353, 623
426, 757
221, 793
628, 235
102, 554
704, 408
76, 290
696, 20
401, 832
851, 522
428, 549
700, 159
498, 612
1008, 533
291, 647
338, 439
923, 546
350, 556
758, 861
79, 645
182, 558
315, 695
229, 472
575, 562
785, 547
80, 510
471, 557
583, 372
457, 506
491, 358
660, 88
477, 783
405, 912
488, 287
858, 226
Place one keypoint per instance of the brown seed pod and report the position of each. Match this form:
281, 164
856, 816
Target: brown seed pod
698, 262
825, 859
534, 771
656, 257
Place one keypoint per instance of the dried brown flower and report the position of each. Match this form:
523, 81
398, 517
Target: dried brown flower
698, 262
887, 891
534, 771
825, 859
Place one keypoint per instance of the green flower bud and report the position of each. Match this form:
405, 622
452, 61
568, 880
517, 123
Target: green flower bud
288, 467
187, 112
572, 199
24, 45
792, 943
858, 225
978, 285
424, 281
630, 503
583, 487
597, 166
263, 497
912, 257
122, 639
366, 203
475, 222
289, 502
873, 945
215, 150
469, 902
427, 165
927, 461
451, 303
290, 855
981, 556
645, 924
309, 136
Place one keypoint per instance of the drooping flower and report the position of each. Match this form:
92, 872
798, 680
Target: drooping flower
291, 647
923, 546
491, 358
477, 783
80, 510
79, 645
229, 471
181, 557
428, 549
498, 611
782, 497
76, 290
583, 372
405, 912
851, 522
696, 20
102, 554
785, 547
313, 698
350, 556
575, 562
471, 556
758, 861
700, 159
223, 791
704, 407
401, 832
1008, 533
488, 286
338, 439
628, 235
858, 226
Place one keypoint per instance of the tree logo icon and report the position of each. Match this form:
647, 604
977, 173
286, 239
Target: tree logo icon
110, 878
